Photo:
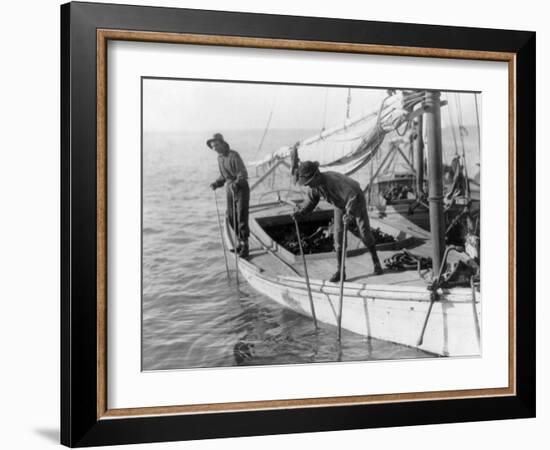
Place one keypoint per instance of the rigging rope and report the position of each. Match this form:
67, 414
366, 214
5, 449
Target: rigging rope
377, 133
462, 129
478, 125
407, 126
348, 103
451, 120
267, 124
325, 111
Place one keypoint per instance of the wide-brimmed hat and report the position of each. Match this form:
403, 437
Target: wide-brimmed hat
306, 171
216, 137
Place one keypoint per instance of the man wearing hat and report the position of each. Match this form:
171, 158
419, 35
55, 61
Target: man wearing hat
349, 204
235, 177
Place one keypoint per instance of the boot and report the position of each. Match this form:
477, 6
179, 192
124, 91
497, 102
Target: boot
375, 261
243, 249
335, 278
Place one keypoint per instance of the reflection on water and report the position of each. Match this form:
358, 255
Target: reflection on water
192, 317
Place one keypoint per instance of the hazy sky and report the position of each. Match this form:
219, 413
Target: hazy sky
185, 106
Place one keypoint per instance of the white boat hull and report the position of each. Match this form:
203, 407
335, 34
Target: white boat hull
387, 312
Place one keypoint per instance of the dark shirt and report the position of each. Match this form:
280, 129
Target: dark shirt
231, 168
339, 190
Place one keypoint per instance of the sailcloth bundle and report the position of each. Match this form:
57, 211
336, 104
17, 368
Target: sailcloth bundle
348, 147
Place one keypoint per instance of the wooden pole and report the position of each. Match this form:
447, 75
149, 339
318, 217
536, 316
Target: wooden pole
433, 298
369, 187
432, 116
235, 238
474, 310
419, 157
342, 270
311, 305
221, 237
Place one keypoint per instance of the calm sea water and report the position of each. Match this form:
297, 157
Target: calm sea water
192, 317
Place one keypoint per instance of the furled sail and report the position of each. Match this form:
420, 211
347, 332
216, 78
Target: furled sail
348, 147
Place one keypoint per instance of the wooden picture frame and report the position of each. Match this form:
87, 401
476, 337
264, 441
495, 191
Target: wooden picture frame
85, 416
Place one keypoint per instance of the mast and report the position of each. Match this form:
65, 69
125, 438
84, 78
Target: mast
432, 117
419, 157
348, 103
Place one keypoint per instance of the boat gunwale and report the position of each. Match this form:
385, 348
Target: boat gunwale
362, 290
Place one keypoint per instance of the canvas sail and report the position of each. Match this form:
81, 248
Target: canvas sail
352, 144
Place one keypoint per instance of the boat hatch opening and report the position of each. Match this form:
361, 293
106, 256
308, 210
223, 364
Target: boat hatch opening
279, 233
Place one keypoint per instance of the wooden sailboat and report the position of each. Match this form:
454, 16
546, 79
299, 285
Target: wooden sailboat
409, 307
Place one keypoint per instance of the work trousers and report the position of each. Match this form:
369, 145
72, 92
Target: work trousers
361, 218
242, 200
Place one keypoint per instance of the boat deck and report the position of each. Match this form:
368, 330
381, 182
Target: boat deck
359, 268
